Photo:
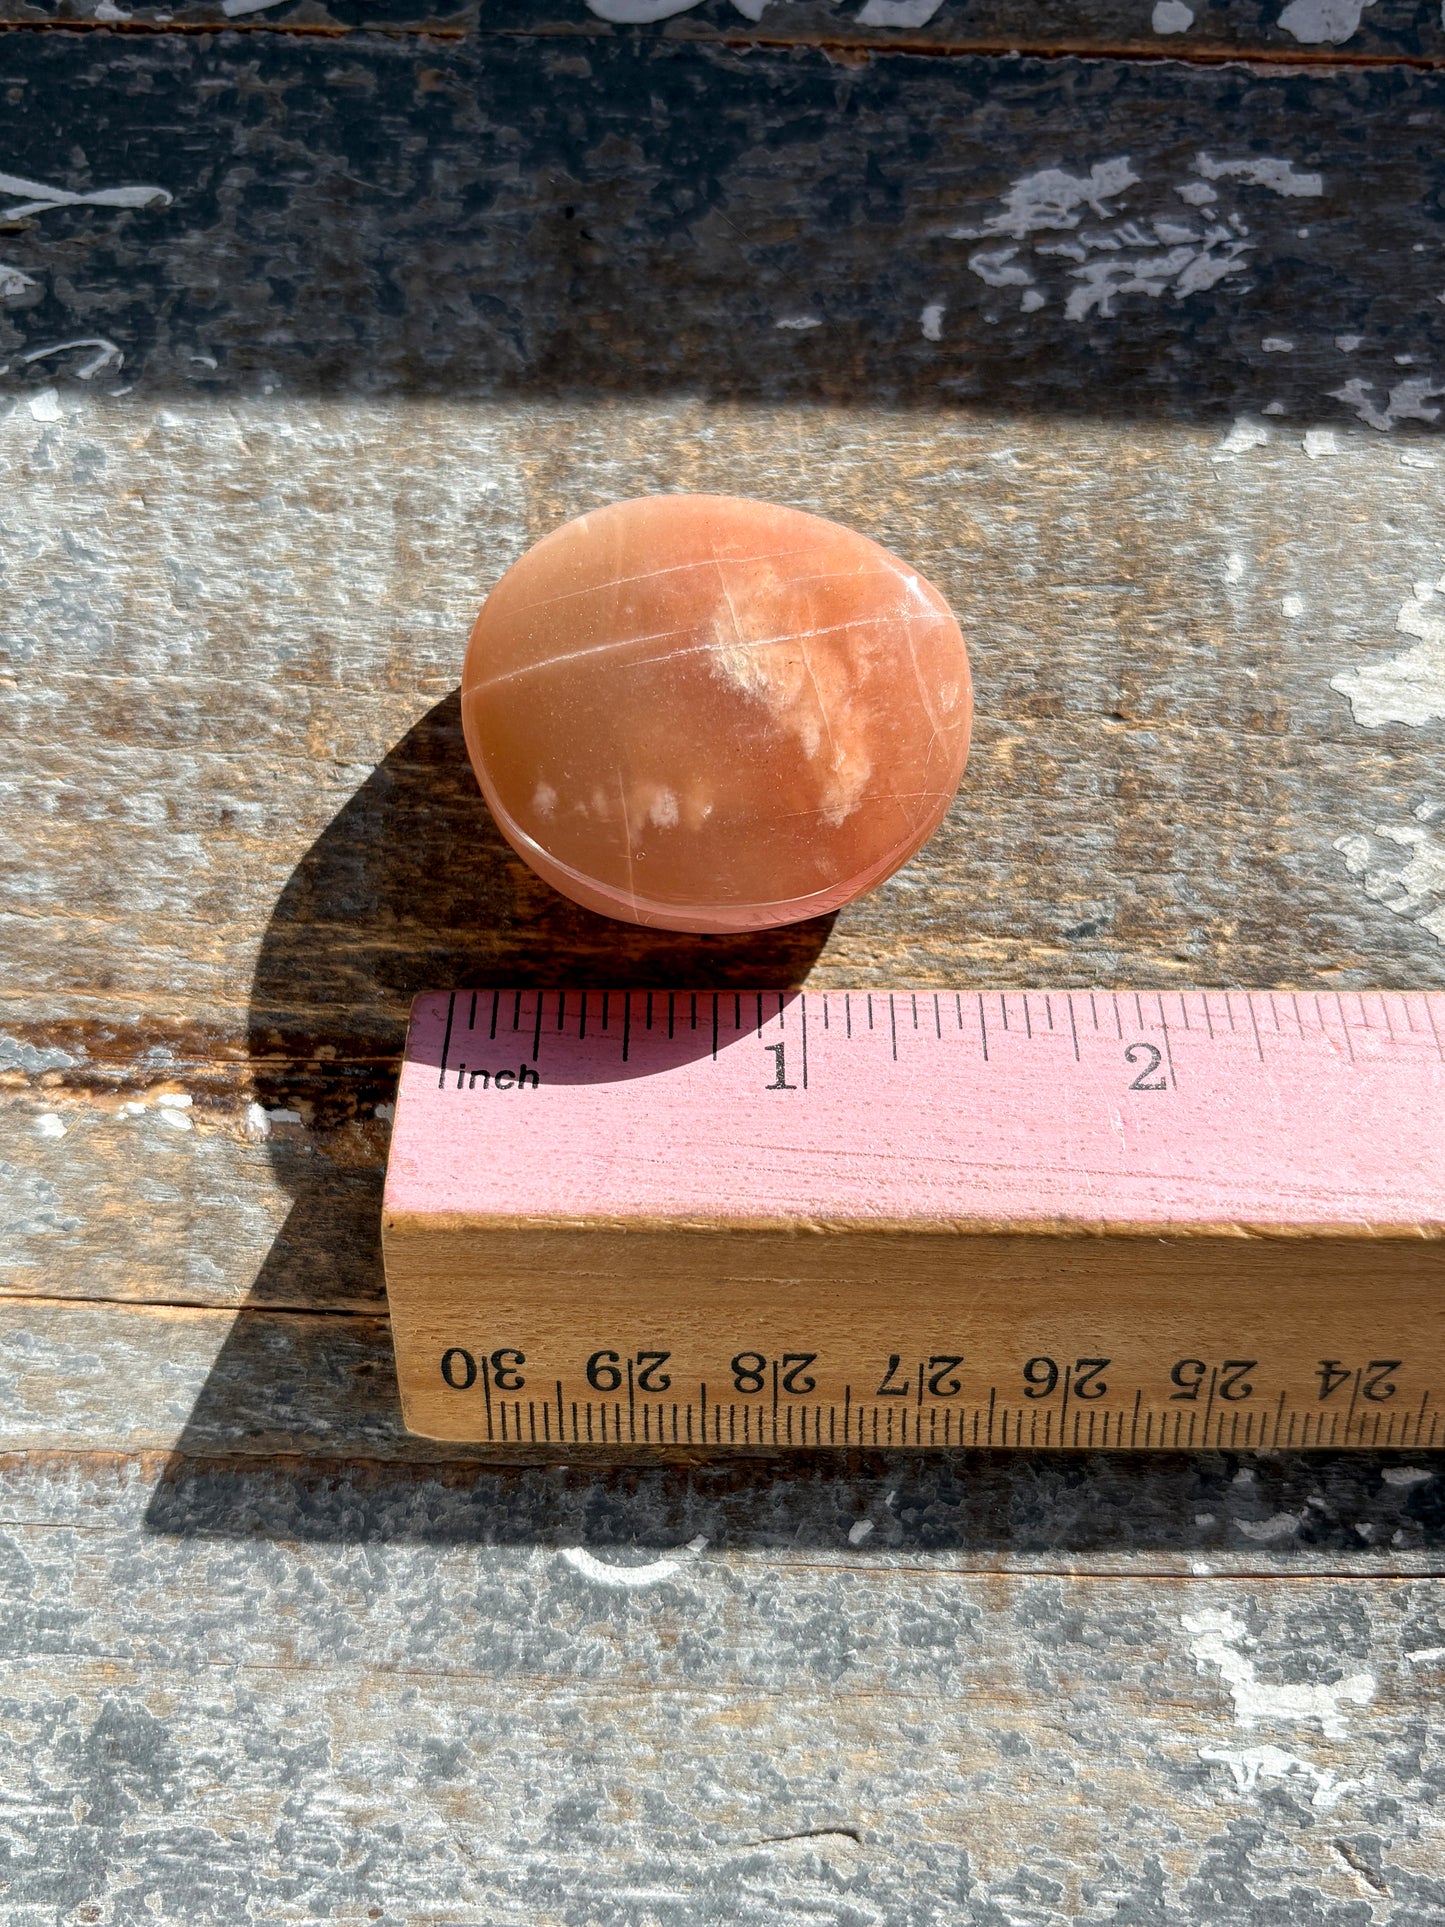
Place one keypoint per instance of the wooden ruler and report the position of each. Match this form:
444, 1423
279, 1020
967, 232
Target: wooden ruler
1083, 1219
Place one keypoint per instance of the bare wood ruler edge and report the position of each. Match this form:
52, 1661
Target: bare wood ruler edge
1093, 1219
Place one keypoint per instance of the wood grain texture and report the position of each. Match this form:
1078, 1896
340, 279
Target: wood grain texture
1339, 32
441, 1732
533, 216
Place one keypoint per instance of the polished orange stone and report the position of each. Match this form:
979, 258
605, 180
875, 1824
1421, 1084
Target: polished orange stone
703, 713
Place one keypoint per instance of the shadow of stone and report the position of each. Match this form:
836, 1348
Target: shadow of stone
409, 888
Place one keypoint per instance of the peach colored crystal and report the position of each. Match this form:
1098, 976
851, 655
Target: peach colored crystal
704, 713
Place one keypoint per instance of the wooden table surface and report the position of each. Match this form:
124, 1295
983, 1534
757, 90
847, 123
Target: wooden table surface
312, 316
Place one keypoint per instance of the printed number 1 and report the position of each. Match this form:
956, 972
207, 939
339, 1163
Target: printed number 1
780, 1075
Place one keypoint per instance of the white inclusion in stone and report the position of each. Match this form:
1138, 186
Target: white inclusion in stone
1172, 16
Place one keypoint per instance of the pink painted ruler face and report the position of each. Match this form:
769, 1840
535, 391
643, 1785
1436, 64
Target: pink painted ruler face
1199, 1108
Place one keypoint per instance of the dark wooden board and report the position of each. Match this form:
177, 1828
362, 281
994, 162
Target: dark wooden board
619, 217
1294, 31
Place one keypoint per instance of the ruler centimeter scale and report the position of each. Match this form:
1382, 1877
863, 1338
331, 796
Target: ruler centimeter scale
1093, 1219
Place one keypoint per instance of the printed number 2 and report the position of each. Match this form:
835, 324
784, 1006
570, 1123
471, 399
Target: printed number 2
1152, 1060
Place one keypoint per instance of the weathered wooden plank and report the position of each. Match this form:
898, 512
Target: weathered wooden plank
1009, 1781
541, 215
268, 893
1299, 31
704, 1696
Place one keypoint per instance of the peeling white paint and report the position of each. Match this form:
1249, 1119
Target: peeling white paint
628, 1578
45, 406
1406, 1474
1408, 688
1277, 345
1217, 1636
1280, 1525
1407, 401
638, 13
1261, 170
1293, 606
13, 281
800, 323
1171, 16
1412, 459
233, 9
1180, 271
1054, 198
1347, 344
1244, 436
998, 268
859, 1532
1248, 1765
49, 1125
931, 321
1234, 567
1412, 886
40, 199
897, 13
1330, 21
1425, 1655
1149, 254
1320, 441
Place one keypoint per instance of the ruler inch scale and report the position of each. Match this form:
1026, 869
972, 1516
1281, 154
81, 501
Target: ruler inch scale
1107, 1219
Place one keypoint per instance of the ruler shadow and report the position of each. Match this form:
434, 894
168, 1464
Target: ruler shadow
409, 888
